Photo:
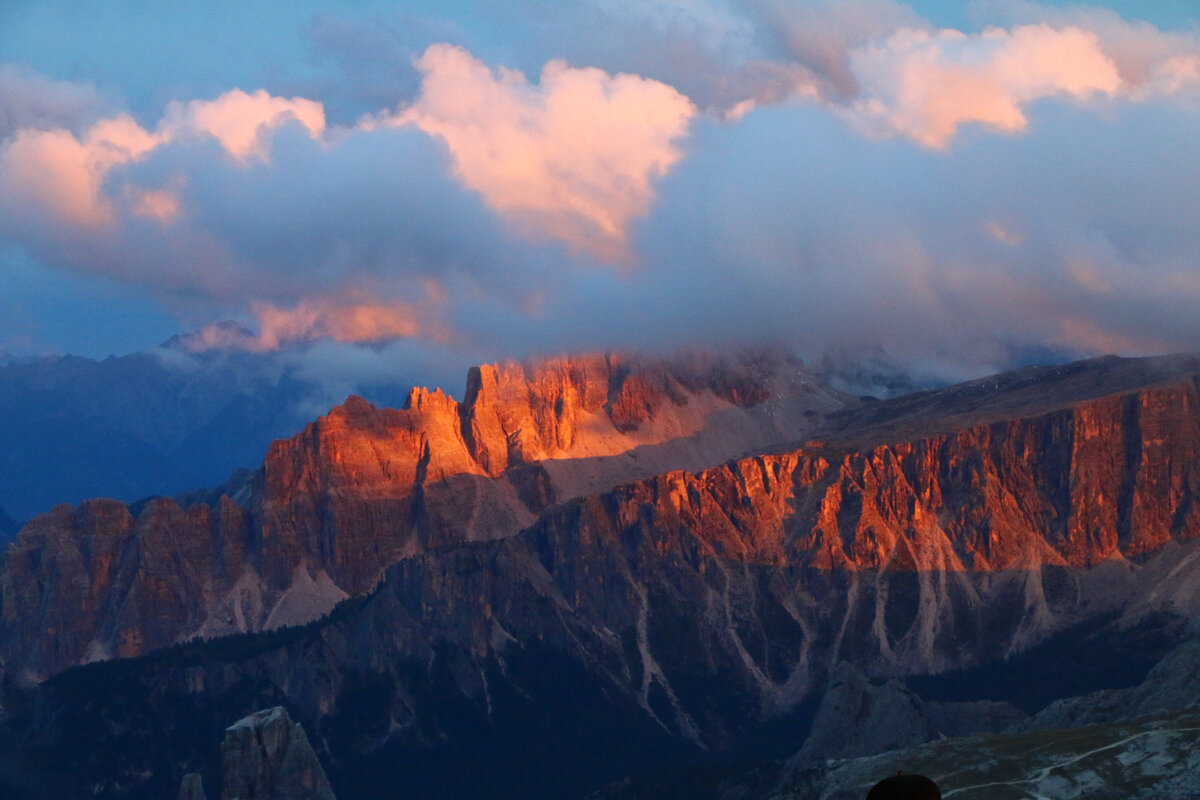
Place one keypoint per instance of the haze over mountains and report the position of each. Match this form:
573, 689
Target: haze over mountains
191, 412
161, 422
707, 558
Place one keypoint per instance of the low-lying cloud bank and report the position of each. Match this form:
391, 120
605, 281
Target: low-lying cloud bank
823, 175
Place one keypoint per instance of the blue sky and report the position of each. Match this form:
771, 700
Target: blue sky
150, 52
958, 183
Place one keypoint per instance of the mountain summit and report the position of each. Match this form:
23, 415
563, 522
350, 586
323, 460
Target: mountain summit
703, 558
363, 487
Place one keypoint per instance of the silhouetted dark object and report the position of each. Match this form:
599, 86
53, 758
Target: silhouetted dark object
905, 787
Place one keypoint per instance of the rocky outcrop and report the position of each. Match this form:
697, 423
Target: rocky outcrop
364, 487
192, 787
859, 717
1144, 758
94, 582
266, 756
1172, 684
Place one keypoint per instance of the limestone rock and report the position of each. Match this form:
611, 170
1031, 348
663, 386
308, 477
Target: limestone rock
1172, 684
266, 756
1089, 465
363, 487
858, 718
192, 787
94, 582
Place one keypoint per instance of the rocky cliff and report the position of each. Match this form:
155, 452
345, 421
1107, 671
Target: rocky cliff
1037, 524
94, 582
266, 756
363, 487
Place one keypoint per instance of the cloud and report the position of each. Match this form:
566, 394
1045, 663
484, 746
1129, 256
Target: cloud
62, 175
369, 322
574, 158
925, 85
807, 181
346, 319
243, 123
29, 100
820, 34
1145, 56
967, 259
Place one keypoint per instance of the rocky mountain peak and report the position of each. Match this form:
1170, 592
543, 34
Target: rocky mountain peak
525, 413
266, 756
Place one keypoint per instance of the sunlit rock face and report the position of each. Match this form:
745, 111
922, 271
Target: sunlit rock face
94, 582
1017, 520
364, 487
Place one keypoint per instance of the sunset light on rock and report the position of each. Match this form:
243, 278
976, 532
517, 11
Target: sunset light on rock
599, 399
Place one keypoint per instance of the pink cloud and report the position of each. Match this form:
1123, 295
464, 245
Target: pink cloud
160, 204
925, 85
349, 323
1147, 58
821, 33
574, 157
340, 320
242, 122
31, 100
62, 175
309, 321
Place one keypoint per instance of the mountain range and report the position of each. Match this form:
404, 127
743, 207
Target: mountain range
623, 572
152, 423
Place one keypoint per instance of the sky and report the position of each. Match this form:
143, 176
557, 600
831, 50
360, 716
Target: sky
962, 186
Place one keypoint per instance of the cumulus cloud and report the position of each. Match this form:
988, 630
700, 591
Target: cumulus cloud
821, 34
1143, 54
925, 85
366, 322
62, 175
807, 181
243, 123
961, 261
574, 158
29, 100
310, 320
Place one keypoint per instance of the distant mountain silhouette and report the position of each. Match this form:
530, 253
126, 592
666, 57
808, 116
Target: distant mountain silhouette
144, 424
